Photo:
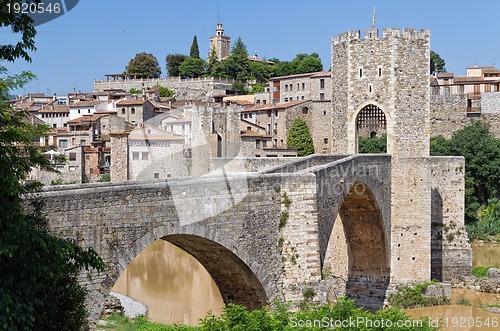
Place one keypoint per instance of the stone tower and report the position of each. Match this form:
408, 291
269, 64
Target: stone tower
220, 42
382, 85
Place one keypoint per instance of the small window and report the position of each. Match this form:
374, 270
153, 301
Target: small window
156, 175
87, 157
88, 111
380, 72
360, 73
72, 156
249, 128
123, 111
276, 113
322, 96
303, 86
257, 143
72, 168
78, 111
291, 87
325, 141
145, 156
305, 110
132, 111
322, 83
135, 156
63, 143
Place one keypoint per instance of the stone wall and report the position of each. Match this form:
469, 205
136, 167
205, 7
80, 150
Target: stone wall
185, 89
450, 250
231, 226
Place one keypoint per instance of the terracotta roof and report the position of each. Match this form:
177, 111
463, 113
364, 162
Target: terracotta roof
308, 74
54, 109
322, 74
86, 119
253, 134
130, 102
277, 106
89, 103
464, 79
445, 75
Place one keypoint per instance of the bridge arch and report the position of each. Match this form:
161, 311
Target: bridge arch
358, 251
239, 278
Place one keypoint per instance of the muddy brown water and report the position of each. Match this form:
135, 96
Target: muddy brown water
176, 288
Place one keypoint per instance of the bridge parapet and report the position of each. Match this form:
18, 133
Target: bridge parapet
304, 163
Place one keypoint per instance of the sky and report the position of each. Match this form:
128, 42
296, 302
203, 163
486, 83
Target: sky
100, 37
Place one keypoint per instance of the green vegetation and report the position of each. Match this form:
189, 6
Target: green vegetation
412, 297
143, 65
195, 50
436, 63
464, 302
134, 90
480, 271
300, 137
281, 318
283, 219
482, 175
373, 145
238, 67
488, 224
38, 271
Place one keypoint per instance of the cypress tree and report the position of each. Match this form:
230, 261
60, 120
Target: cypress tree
195, 51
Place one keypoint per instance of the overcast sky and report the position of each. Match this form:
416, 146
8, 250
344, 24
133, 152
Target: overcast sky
99, 37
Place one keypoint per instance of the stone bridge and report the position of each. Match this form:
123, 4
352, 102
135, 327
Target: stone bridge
324, 222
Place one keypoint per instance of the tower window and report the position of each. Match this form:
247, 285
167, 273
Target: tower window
360, 73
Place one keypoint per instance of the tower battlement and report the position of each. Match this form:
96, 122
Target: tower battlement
371, 34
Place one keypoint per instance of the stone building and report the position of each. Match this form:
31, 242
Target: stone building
155, 153
314, 86
135, 111
278, 118
383, 83
220, 43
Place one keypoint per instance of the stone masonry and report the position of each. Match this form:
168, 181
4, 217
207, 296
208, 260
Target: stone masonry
391, 74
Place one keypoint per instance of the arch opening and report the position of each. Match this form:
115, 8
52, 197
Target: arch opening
357, 255
371, 129
182, 277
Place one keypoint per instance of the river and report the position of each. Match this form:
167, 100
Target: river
177, 289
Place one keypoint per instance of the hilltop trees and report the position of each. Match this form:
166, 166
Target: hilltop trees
143, 65
238, 66
195, 50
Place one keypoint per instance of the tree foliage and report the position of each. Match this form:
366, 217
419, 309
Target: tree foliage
20, 23
195, 50
437, 63
372, 145
300, 137
143, 65
192, 68
38, 285
173, 63
482, 164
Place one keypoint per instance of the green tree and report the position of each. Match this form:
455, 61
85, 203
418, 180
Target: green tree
193, 68
373, 145
237, 65
165, 92
436, 63
195, 50
304, 63
214, 65
482, 164
173, 63
38, 285
143, 65
37, 270
20, 23
300, 137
